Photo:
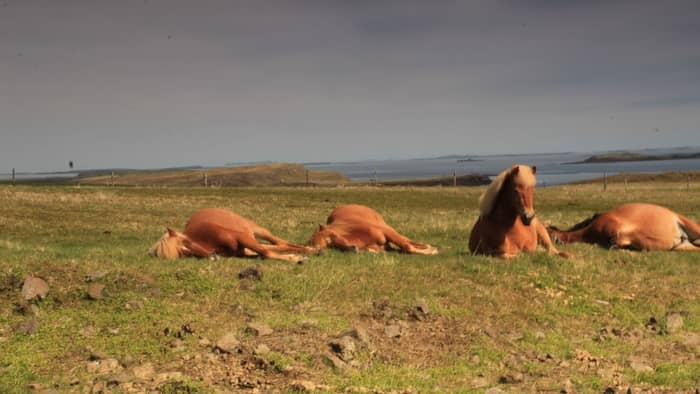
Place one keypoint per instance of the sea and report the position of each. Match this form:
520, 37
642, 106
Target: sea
552, 169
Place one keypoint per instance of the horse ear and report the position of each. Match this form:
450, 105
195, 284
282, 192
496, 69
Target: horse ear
321, 227
515, 171
534, 169
172, 232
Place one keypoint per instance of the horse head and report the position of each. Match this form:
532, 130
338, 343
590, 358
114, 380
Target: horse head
171, 245
515, 188
322, 238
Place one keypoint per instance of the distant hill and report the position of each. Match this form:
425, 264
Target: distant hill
259, 175
675, 176
463, 180
613, 157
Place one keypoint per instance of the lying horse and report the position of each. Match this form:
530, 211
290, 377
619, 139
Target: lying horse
219, 232
635, 226
507, 224
357, 227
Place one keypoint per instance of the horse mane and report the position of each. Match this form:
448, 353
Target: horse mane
164, 248
488, 198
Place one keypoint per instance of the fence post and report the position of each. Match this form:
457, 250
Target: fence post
625, 184
307, 177
605, 181
687, 182
454, 177
206, 180
111, 179
13, 176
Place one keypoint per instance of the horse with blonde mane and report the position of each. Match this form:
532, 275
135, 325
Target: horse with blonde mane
219, 232
507, 224
357, 227
635, 226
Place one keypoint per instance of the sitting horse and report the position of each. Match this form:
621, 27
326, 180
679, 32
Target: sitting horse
214, 232
634, 226
507, 224
357, 227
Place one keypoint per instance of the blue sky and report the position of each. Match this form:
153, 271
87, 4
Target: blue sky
155, 83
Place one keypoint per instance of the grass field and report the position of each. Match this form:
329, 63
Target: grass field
452, 322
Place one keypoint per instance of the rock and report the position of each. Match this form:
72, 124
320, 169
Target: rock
308, 323
254, 273
34, 288
133, 305
568, 387
144, 371
109, 365
674, 322
479, 382
258, 329
204, 342
513, 378
303, 386
539, 335
95, 291
245, 285
35, 386
638, 365
421, 310
29, 326
335, 362
392, 331
177, 345
97, 355
261, 350
93, 276
167, 376
344, 347
494, 390
228, 343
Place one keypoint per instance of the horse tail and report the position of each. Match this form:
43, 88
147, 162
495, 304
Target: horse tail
691, 228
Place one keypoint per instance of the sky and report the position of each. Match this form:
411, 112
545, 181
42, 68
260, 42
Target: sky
160, 83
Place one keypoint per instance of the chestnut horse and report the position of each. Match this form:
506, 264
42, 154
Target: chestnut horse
216, 231
635, 226
507, 224
357, 227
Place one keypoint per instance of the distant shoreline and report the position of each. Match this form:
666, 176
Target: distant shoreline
629, 156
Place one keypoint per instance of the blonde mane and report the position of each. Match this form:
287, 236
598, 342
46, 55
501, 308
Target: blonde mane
165, 247
488, 198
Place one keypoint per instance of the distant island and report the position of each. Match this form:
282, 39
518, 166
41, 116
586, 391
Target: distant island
614, 157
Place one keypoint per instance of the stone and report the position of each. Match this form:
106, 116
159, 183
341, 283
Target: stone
34, 288
512, 378
344, 347
93, 276
303, 386
674, 322
479, 382
95, 291
228, 343
335, 361
640, 366
254, 273
392, 331
29, 326
261, 350
494, 390
258, 329
144, 371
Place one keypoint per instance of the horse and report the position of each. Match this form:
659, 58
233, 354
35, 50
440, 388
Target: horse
357, 227
507, 224
213, 232
635, 226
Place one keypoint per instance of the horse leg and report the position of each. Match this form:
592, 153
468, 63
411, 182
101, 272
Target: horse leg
687, 246
544, 240
341, 243
248, 241
281, 245
405, 244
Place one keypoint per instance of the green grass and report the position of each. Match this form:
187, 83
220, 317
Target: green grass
507, 313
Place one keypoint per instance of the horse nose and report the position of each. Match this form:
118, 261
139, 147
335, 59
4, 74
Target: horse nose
526, 218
